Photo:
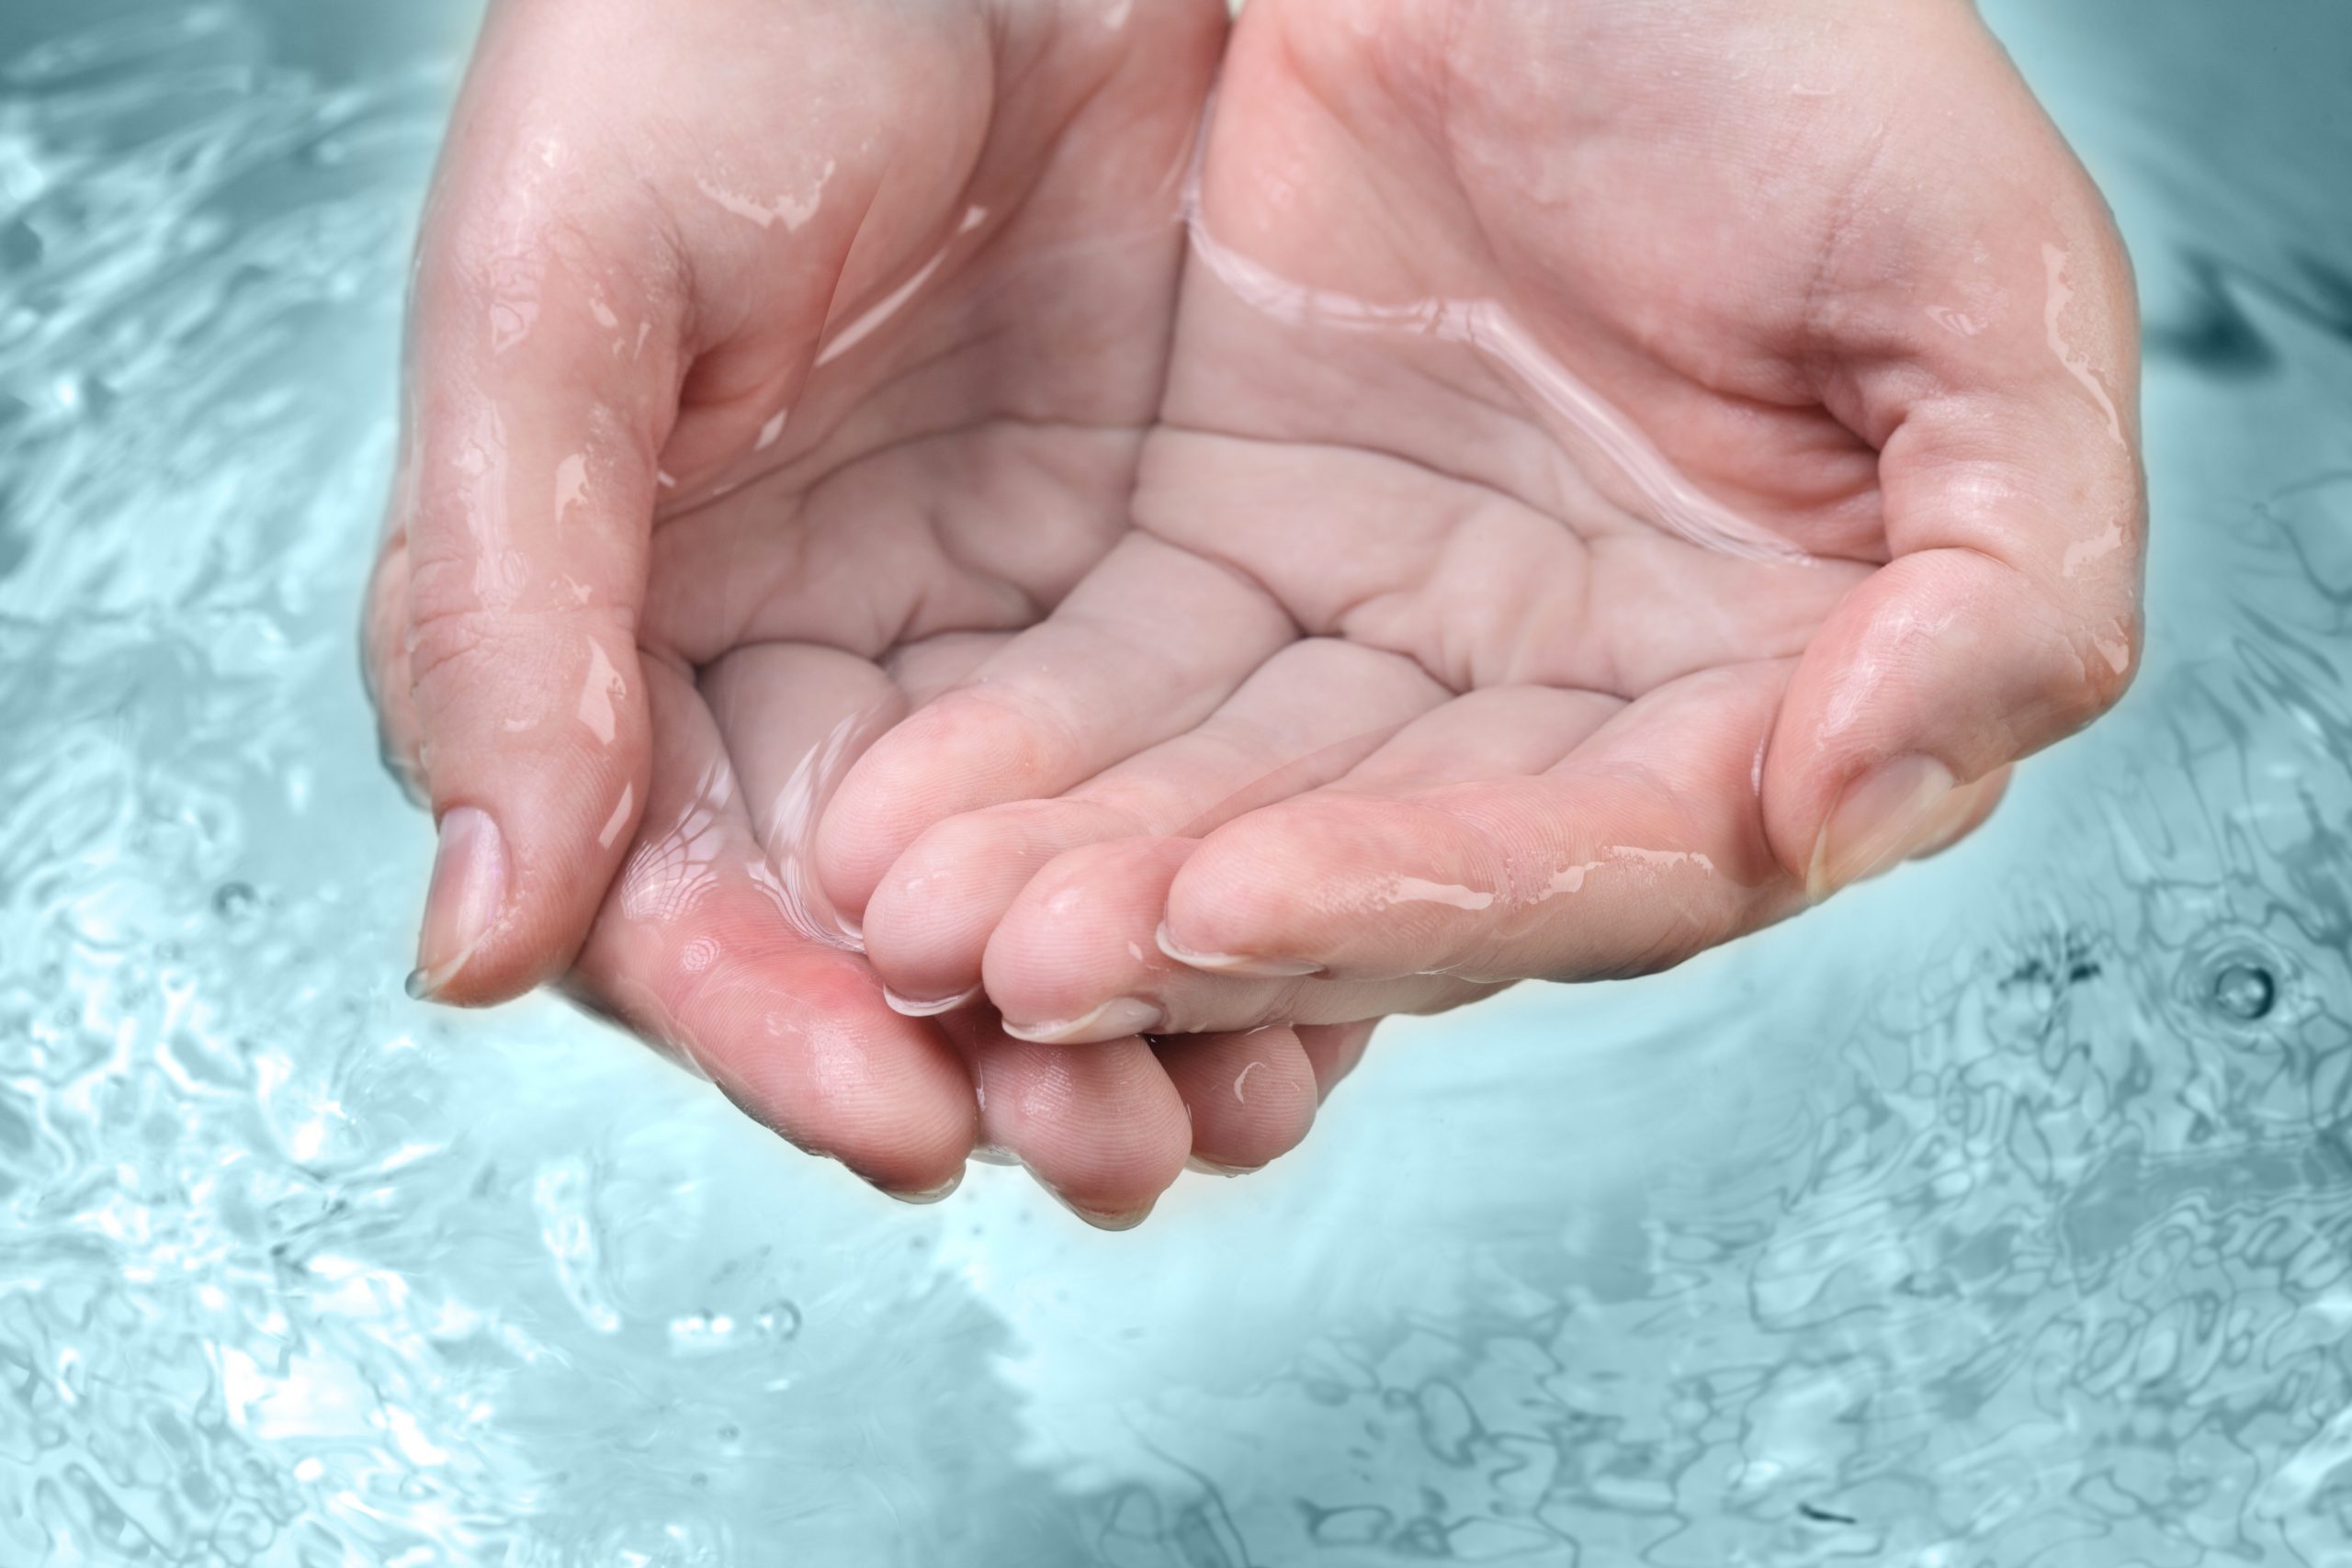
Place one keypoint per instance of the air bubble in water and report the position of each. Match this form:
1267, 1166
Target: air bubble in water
2245, 991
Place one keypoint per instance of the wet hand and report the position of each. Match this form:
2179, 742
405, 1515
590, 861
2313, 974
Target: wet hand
1417, 675
771, 367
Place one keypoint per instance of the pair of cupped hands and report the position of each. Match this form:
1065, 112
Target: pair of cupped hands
874, 611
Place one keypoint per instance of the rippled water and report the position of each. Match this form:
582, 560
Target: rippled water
2001, 1214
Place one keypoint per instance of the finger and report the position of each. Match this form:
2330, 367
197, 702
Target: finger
1077, 958
691, 953
1496, 732
1146, 647
1251, 1096
924, 668
1101, 1127
526, 501
793, 718
1335, 1050
2014, 511
1977, 803
1642, 846
1086, 957
1312, 711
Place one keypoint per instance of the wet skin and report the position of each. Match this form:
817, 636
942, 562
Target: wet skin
1096, 631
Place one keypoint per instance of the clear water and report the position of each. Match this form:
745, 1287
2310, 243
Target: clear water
2000, 1214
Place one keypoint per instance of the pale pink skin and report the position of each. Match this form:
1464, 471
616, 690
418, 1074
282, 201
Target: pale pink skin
1318, 652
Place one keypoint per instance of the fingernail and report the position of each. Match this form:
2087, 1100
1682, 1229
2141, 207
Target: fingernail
923, 1195
1884, 817
468, 892
1104, 1220
1118, 1017
910, 1006
1210, 1166
1234, 963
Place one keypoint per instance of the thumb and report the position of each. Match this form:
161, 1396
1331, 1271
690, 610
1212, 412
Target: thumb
541, 380
2009, 615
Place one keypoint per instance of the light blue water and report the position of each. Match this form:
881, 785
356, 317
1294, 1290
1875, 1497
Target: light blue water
2000, 1214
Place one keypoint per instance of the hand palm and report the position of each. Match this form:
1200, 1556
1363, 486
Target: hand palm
880, 368
1360, 580
1403, 626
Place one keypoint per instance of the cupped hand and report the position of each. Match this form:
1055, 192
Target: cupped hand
771, 367
1626, 471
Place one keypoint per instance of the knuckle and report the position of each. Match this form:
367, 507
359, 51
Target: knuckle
450, 642
490, 237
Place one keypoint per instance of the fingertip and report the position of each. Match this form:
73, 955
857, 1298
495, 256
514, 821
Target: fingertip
1900, 811
537, 754
848, 867
1070, 959
1322, 884
506, 913
1882, 817
464, 906
1252, 1095
931, 917
1232, 963
1936, 675
924, 1197
1222, 912
1334, 1050
1104, 1219
954, 756
806, 1048
1100, 1126
1982, 799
